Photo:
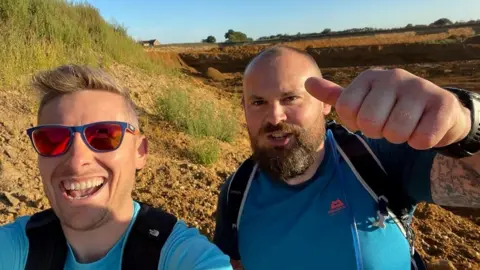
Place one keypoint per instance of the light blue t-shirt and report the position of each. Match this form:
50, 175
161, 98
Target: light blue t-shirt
309, 226
185, 248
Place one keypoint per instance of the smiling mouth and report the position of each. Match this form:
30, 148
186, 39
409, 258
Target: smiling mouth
75, 190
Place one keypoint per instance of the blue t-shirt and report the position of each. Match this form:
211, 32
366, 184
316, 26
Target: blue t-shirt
308, 226
185, 248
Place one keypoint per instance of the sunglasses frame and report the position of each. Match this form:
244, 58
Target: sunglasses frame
126, 127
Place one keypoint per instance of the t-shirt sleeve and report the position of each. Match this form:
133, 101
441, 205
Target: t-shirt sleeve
13, 245
224, 235
410, 166
186, 248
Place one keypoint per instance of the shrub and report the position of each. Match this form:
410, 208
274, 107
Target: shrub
174, 107
196, 115
210, 39
204, 152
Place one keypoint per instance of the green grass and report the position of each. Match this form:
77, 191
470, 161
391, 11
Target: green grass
197, 116
40, 34
205, 152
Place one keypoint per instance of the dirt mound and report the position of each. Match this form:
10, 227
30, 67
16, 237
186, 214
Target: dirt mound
170, 59
234, 59
214, 74
473, 40
379, 49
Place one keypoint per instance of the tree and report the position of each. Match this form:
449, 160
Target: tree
441, 22
235, 36
409, 25
209, 39
326, 31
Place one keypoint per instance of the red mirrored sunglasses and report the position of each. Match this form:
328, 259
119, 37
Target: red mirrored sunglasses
55, 140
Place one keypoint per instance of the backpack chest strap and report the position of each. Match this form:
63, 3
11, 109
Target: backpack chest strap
47, 243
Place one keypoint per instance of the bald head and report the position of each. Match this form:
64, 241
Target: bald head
284, 52
279, 68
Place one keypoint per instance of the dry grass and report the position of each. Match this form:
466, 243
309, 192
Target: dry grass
197, 115
381, 39
204, 151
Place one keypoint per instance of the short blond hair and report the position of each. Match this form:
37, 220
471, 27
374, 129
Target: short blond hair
67, 79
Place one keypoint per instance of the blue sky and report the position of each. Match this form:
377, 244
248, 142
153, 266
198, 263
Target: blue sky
177, 21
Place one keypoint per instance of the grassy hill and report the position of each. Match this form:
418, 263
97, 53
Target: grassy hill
38, 34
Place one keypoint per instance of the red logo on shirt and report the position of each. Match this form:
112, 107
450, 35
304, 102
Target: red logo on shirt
336, 206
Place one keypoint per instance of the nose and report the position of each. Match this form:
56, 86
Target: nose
276, 114
80, 155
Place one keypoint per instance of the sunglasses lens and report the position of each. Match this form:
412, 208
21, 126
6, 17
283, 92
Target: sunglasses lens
51, 141
104, 136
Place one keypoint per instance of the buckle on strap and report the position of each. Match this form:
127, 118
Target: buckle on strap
382, 212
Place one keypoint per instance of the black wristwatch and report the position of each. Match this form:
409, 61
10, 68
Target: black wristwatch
470, 145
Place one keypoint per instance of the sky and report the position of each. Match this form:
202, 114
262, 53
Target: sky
183, 21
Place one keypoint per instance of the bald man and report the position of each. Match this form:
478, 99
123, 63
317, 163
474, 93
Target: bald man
317, 195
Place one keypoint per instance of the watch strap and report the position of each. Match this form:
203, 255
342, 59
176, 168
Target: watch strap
471, 143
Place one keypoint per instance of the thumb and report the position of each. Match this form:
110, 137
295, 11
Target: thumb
324, 90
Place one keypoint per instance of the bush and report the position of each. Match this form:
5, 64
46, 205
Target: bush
441, 22
41, 34
197, 116
209, 39
174, 107
204, 152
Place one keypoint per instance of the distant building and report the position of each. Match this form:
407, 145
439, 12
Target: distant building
149, 43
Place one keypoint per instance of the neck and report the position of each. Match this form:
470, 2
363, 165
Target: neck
92, 245
318, 158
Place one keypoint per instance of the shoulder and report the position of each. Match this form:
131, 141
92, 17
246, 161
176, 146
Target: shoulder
387, 151
186, 248
14, 244
409, 166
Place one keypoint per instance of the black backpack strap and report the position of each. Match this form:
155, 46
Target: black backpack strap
147, 237
236, 196
47, 243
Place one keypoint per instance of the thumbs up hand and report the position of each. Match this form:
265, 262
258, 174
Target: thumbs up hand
396, 105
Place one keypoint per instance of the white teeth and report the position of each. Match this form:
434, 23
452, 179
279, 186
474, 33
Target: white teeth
83, 185
278, 134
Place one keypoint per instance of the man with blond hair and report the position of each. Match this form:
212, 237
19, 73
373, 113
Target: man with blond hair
89, 148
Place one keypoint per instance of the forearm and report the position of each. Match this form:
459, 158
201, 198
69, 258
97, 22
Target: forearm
456, 182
